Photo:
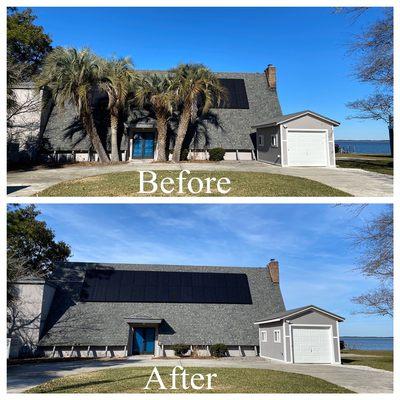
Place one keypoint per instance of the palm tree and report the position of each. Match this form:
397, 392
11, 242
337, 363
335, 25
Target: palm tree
72, 76
195, 86
155, 91
197, 135
116, 79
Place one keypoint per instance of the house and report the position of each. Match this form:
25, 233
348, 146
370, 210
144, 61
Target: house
123, 309
93, 310
303, 335
251, 100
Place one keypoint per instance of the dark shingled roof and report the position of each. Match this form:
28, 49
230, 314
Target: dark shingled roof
73, 322
63, 132
287, 117
283, 314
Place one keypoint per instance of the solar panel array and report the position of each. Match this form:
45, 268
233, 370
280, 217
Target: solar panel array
165, 287
236, 94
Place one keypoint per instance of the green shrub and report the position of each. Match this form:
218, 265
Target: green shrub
337, 148
217, 154
184, 154
219, 350
180, 349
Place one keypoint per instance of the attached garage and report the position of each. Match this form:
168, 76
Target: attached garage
306, 335
303, 139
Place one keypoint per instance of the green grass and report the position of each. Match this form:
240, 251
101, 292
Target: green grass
374, 359
242, 184
228, 380
358, 155
378, 163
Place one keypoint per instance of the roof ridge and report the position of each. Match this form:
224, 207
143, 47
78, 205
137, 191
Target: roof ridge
159, 265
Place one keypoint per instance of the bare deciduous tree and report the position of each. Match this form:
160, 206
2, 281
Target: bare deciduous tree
375, 240
379, 301
374, 51
377, 106
374, 47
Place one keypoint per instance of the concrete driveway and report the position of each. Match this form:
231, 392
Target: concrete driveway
357, 182
356, 378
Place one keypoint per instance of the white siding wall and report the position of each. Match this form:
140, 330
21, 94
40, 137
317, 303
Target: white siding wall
33, 306
25, 125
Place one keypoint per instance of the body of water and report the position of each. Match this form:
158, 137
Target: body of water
365, 146
367, 343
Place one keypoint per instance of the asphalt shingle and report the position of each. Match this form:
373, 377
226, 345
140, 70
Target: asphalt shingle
63, 132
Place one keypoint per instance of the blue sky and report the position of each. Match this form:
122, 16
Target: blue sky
308, 46
311, 242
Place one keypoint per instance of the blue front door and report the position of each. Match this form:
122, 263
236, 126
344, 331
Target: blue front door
150, 334
143, 145
143, 340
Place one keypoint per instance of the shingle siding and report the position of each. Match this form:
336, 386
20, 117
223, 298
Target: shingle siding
72, 322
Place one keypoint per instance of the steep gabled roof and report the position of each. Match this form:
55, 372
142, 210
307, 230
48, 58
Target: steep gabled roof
75, 322
294, 311
64, 132
289, 117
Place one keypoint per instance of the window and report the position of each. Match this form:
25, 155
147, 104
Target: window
260, 140
236, 96
277, 336
263, 336
274, 140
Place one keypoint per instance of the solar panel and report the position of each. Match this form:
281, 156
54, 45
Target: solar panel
236, 94
165, 287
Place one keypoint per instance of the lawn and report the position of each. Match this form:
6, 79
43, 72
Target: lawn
242, 184
374, 359
374, 163
228, 380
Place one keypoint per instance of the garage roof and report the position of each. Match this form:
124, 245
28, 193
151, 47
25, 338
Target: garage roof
284, 314
288, 117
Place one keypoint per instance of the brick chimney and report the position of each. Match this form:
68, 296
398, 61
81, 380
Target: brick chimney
273, 269
270, 73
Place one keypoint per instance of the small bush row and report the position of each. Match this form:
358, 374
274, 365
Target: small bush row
216, 350
216, 154
180, 349
219, 350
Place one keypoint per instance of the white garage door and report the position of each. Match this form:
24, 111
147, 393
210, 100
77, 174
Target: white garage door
307, 148
312, 345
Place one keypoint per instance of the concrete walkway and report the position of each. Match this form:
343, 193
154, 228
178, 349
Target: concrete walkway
356, 378
354, 181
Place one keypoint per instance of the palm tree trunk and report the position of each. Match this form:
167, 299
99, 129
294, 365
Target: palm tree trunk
182, 130
114, 137
161, 139
91, 130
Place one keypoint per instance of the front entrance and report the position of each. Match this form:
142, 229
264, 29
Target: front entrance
143, 340
143, 145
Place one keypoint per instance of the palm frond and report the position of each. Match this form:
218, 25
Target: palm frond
69, 74
154, 91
